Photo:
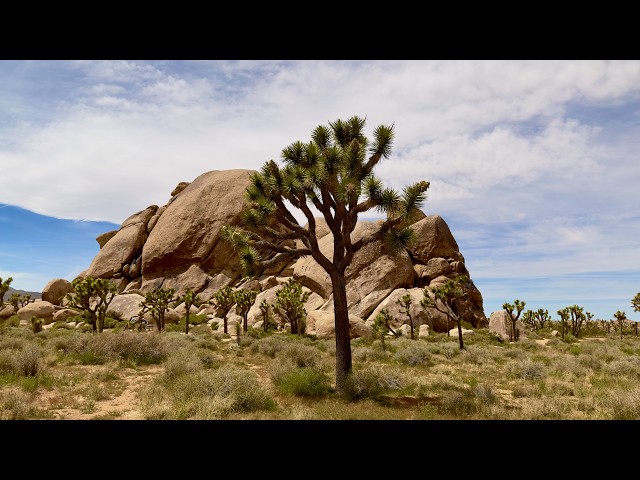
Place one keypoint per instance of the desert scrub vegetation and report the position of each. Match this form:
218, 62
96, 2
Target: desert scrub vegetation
207, 375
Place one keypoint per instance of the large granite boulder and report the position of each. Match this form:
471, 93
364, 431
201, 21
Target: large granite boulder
372, 275
39, 309
434, 240
188, 231
436, 320
126, 305
323, 323
56, 289
123, 247
500, 323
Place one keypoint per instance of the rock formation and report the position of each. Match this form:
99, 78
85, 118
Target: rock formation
178, 245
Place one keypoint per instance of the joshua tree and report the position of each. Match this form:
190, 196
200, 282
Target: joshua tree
443, 299
564, 317
190, 299
264, 308
93, 296
289, 305
245, 300
577, 319
518, 306
4, 288
157, 302
405, 302
333, 173
15, 300
635, 303
381, 326
223, 300
620, 317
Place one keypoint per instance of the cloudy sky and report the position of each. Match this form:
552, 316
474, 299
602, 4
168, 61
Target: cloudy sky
533, 164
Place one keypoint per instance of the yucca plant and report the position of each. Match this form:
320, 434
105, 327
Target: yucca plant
332, 173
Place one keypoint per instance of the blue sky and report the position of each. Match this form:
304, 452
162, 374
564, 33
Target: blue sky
533, 164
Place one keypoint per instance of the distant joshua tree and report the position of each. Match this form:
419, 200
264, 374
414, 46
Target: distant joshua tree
93, 296
405, 302
447, 295
223, 300
157, 302
245, 300
621, 317
381, 326
518, 306
190, 299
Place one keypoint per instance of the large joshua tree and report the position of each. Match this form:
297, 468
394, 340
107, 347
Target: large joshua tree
333, 173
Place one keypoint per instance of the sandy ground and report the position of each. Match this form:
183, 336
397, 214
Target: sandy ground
121, 405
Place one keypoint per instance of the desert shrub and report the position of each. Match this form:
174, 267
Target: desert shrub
466, 402
12, 321
180, 362
371, 381
410, 352
527, 369
623, 405
24, 362
300, 381
110, 346
301, 355
18, 405
256, 333
590, 361
268, 346
370, 353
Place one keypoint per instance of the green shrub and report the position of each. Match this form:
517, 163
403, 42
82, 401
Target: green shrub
301, 355
28, 361
303, 382
268, 346
12, 321
410, 352
371, 381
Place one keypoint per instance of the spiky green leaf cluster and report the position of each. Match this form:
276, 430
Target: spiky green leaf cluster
332, 173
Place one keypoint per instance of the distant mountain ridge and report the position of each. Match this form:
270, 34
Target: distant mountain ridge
11, 291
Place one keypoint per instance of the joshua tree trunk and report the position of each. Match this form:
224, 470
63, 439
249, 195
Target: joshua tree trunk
343, 339
460, 341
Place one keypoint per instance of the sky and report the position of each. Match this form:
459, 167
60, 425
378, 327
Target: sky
533, 164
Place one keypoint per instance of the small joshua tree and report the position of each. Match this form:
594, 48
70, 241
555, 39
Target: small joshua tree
443, 299
264, 308
93, 296
289, 305
564, 317
405, 303
223, 300
190, 299
157, 303
16, 301
381, 326
245, 300
620, 316
518, 306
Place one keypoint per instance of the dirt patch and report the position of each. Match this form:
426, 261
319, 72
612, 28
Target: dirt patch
113, 398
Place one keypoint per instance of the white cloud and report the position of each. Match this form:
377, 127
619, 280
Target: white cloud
501, 142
